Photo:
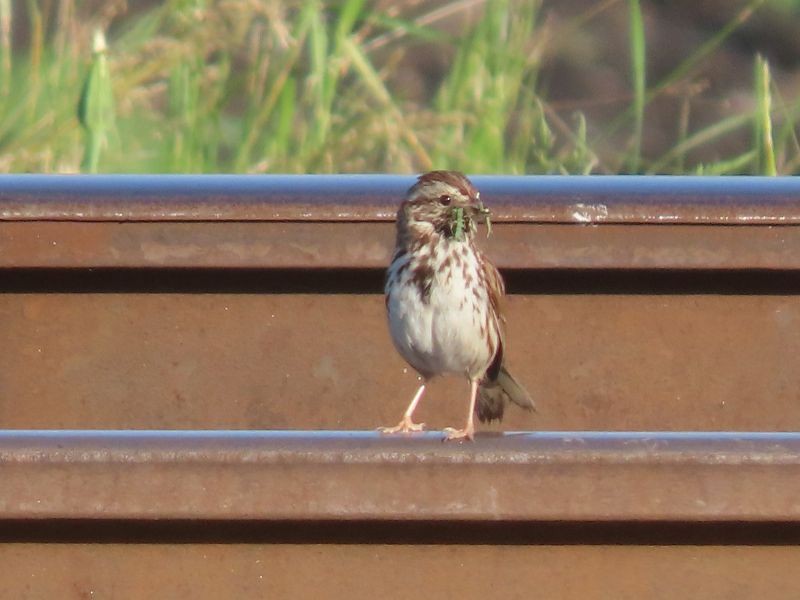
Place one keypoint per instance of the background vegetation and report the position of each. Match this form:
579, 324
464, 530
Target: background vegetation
486, 86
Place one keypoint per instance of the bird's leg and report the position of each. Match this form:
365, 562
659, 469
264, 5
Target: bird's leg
468, 433
406, 425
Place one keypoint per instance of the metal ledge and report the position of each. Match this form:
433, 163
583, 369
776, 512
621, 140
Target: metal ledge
369, 245
311, 476
344, 221
520, 199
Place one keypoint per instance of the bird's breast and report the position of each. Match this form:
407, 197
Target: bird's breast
439, 312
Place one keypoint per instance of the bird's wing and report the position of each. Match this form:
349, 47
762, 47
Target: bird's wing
495, 287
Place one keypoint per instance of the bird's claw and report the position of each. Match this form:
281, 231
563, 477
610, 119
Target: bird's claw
404, 426
451, 433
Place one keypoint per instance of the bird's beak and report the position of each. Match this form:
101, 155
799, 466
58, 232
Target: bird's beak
476, 206
481, 212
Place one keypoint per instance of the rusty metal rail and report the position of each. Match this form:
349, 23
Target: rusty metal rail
254, 304
343, 222
514, 199
160, 302
319, 476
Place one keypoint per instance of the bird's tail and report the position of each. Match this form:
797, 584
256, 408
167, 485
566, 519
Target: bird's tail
494, 395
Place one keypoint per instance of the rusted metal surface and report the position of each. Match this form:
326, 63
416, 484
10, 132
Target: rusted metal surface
609, 571
261, 351
308, 245
365, 476
254, 303
343, 222
624, 199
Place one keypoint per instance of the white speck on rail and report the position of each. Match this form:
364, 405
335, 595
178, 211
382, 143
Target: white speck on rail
589, 213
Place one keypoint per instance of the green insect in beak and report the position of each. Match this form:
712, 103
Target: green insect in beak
457, 216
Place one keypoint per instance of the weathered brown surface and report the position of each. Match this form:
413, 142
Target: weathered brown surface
399, 571
255, 303
288, 329
307, 245
367, 476
625, 199
700, 361
364, 571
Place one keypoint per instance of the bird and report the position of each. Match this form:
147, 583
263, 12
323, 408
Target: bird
443, 300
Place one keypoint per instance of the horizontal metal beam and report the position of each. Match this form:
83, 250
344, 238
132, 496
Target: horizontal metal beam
309, 476
521, 199
369, 245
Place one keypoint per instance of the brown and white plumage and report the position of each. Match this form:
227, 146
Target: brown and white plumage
443, 299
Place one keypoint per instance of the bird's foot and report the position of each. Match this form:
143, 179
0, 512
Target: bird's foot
404, 426
451, 433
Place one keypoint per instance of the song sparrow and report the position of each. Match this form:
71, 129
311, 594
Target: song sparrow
443, 299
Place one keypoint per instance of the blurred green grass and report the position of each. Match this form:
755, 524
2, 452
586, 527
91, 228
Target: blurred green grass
197, 86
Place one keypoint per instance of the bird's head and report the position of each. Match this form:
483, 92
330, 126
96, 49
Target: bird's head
442, 202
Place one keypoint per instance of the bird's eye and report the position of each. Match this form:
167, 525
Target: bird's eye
445, 200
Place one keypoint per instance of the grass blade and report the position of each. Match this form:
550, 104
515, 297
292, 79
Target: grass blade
637, 48
691, 62
762, 127
699, 138
5, 47
96, 105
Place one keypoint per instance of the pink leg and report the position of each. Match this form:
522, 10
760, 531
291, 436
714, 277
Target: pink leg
468, 433
406, 425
